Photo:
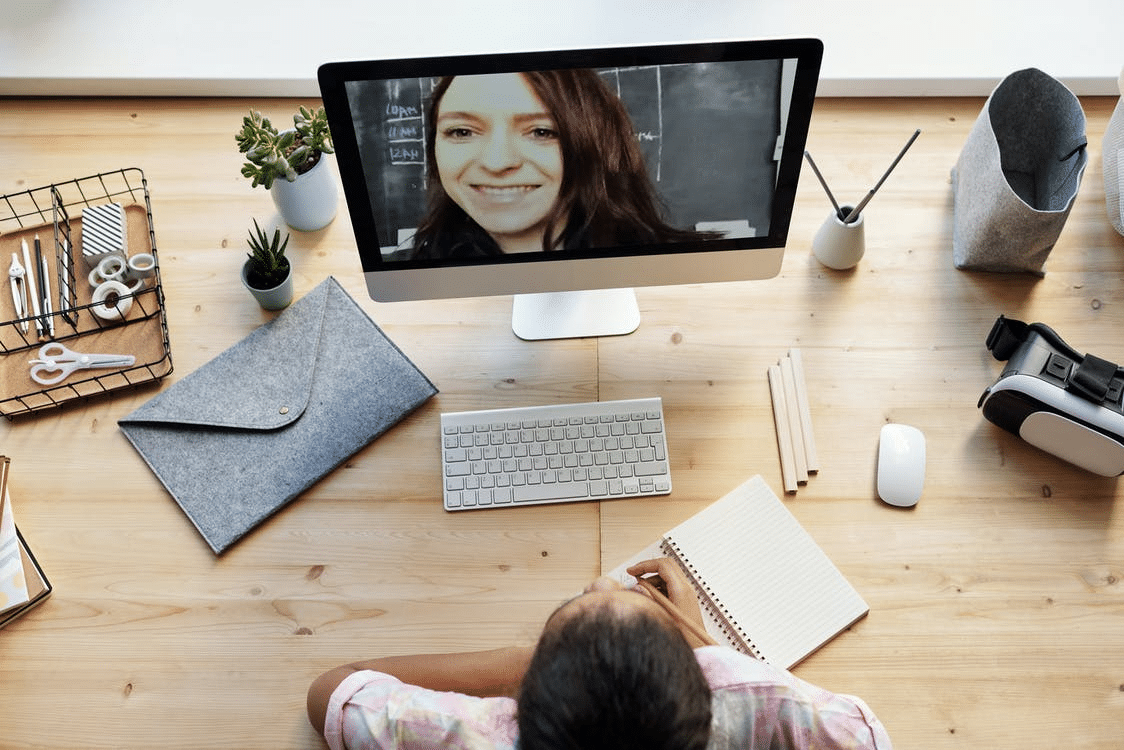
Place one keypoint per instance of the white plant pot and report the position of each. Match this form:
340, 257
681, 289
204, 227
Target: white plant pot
309, 202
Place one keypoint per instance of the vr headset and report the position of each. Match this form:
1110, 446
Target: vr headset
1056, 399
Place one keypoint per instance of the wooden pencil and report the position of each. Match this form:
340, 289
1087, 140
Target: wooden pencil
784, 435
792, 411
805, 410
660, 598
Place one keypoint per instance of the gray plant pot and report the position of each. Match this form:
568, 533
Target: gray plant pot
277, 298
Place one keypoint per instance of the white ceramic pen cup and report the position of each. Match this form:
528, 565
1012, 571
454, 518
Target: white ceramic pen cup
839, 244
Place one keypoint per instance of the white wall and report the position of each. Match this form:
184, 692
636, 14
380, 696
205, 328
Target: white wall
224, 47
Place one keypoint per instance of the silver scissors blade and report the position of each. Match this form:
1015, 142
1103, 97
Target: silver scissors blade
56, 358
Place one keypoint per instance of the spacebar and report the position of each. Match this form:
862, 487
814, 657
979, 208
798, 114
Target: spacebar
553, 491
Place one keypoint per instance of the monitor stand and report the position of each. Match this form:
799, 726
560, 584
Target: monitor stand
568, 315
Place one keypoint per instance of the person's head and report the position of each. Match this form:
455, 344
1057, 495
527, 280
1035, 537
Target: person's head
540, 160
613, 670
496, 155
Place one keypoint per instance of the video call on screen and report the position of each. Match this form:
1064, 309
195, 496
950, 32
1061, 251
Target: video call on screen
709, 133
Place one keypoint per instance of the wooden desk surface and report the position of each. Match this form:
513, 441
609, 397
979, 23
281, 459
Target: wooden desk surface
996, 604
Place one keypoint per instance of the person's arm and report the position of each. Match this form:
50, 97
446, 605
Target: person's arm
481, 673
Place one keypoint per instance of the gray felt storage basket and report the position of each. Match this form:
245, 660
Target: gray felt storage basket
1018, 174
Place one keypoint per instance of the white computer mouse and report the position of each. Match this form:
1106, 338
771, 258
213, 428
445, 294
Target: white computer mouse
901, 465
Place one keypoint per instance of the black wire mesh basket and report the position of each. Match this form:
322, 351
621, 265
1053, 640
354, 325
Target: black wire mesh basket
68, 308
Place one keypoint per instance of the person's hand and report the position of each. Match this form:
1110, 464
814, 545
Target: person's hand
679, 591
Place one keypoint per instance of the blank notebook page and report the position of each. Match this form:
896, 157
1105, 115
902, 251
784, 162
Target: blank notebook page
766, 573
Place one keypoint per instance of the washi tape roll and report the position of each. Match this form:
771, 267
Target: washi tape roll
110, 301
141, 266
111, 269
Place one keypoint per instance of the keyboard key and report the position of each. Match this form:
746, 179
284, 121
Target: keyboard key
551, 491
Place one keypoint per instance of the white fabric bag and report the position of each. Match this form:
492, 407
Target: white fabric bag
1112, 157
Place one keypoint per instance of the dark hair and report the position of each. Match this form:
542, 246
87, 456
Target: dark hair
602, 679
606, 198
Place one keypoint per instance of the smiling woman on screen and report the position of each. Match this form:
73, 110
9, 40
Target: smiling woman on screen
544, 160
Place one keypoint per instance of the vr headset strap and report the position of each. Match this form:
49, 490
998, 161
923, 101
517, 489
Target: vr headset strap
1006, 337
1090, 377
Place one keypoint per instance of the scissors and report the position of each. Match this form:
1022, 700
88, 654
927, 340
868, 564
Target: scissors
54, 357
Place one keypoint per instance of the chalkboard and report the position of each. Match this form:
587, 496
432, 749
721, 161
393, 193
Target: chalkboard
708, 132
389, 120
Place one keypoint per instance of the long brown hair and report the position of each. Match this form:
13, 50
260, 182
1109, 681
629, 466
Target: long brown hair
606, 197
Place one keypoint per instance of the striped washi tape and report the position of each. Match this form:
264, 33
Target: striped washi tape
103, 231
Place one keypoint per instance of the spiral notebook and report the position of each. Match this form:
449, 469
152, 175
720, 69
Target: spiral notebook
765, 587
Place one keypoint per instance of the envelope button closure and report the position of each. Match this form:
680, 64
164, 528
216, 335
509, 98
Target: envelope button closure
284, 410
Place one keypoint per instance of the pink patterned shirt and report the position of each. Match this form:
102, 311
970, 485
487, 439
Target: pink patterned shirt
754, 705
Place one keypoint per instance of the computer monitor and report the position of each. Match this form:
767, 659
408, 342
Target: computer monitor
566, 178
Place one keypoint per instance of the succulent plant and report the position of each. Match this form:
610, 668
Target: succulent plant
271, 154
268, 264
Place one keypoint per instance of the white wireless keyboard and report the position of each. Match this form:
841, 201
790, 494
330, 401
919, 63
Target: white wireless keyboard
561, 453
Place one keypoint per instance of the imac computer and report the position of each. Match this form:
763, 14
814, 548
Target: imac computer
566, 178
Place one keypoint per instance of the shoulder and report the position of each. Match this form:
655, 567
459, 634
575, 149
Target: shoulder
372, 710
756, 705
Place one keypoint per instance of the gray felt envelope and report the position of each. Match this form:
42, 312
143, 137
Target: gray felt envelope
246, 433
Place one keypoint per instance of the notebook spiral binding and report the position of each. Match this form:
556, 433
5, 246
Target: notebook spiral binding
713, 604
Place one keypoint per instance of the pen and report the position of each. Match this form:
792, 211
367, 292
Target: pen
32, 287
47, 310
854, 215
826, 189
42, 286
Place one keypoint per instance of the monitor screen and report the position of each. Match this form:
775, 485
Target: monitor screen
545, 173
